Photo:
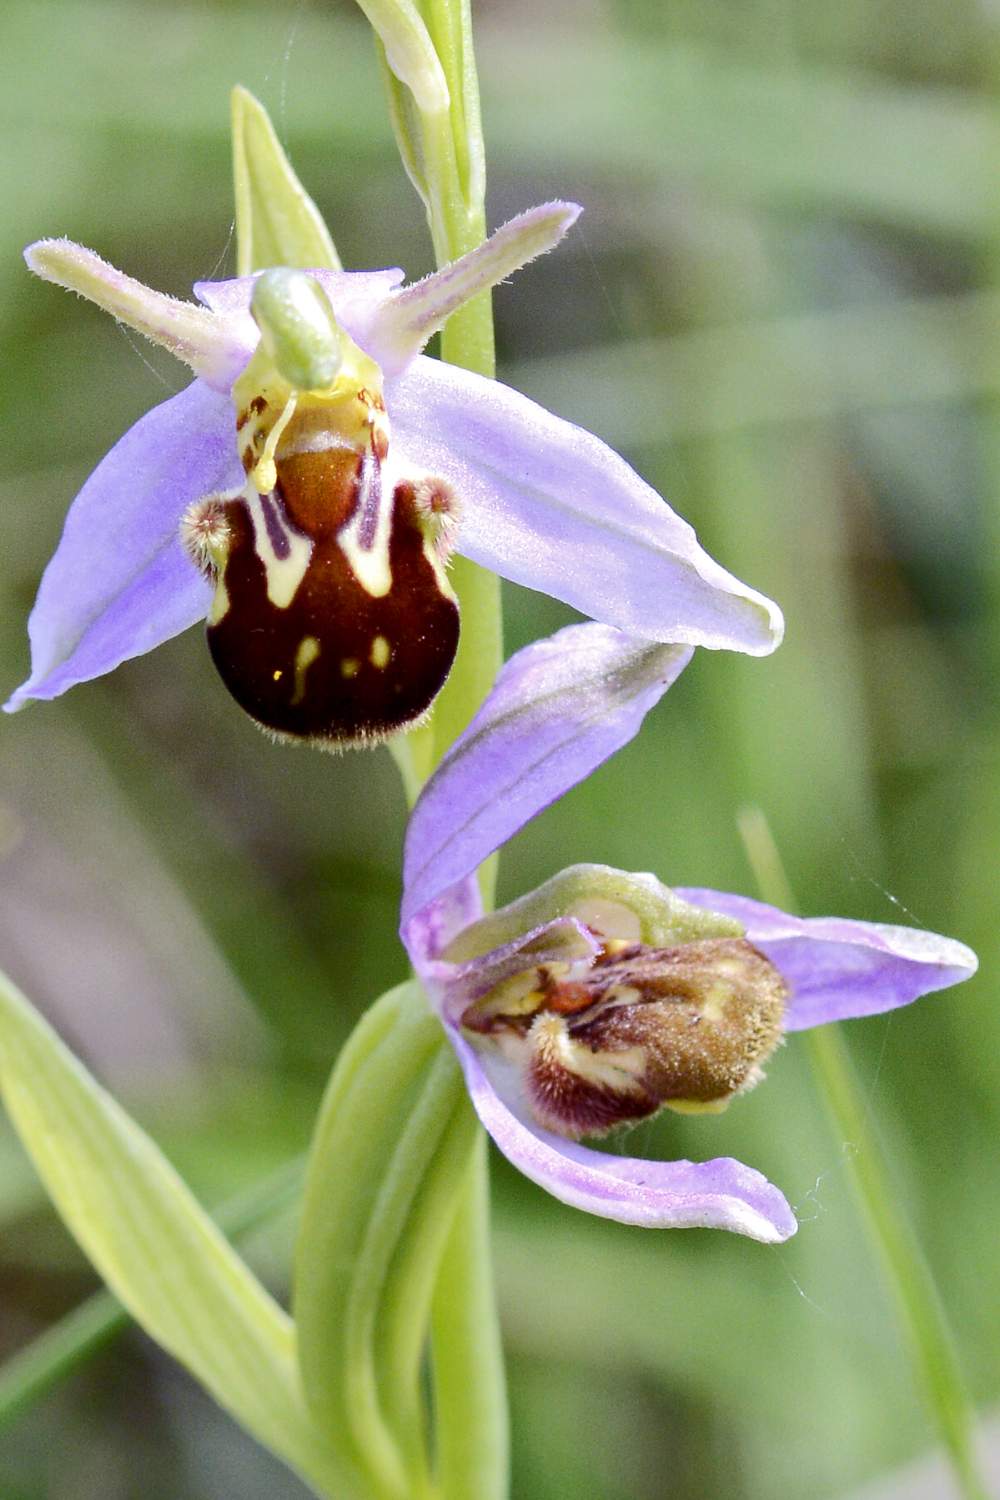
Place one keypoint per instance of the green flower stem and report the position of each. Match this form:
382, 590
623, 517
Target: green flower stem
467, 340
932, 1346
469, 1388
61, 1349
469, 1380
409, 1286
480, 647
440, 1268
383, 1118
458, 225
444, 154
467, 1358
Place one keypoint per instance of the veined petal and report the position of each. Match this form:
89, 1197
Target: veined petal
120, 583
719, 1194
405, 321
550, 506
557, 710
837, 968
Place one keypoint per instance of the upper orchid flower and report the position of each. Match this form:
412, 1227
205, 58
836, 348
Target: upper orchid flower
604, 996
319, 470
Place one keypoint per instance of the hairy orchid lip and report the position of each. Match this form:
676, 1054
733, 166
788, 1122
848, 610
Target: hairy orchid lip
332, 619
337, 677
613, 1040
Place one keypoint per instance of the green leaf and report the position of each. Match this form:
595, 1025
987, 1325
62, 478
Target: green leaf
277, 223
389, 1164
31, 1372
155, 1246
470, 1395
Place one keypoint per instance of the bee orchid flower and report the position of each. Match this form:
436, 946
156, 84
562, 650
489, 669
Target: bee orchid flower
603, 997
305, 491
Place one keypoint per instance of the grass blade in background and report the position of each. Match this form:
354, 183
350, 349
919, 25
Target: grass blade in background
932, 1345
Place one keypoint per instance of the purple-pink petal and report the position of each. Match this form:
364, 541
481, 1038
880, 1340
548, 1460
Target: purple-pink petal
557, 710
119, 582
719, 1194
550, 506
838, 968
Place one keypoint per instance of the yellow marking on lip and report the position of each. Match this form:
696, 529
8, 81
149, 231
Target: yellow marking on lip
264, 474
370, 563
350, 666
554, 1047
309, 649
380, 652
283, 574
220, 603
277, 675
698, 1106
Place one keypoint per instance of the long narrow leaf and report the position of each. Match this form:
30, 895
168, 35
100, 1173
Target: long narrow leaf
59, 1350
157, 1249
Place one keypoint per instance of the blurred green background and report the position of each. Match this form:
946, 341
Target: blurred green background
782, 305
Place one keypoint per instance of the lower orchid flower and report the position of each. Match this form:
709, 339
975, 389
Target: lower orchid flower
319, 471
604, 996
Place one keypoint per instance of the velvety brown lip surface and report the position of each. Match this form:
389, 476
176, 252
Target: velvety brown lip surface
335, 664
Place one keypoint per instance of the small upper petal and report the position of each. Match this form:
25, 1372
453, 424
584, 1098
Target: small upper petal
406, 320
456, 986
119, 582
393, 326
719, 1194
837, 968
557, 710
550, 506
208, 344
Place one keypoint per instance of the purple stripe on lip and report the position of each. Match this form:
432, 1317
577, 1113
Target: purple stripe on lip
276, 533
370, 499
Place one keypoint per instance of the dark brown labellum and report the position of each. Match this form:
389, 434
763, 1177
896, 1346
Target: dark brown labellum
332, 620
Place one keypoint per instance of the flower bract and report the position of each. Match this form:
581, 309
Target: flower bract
604, 995
318, 472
